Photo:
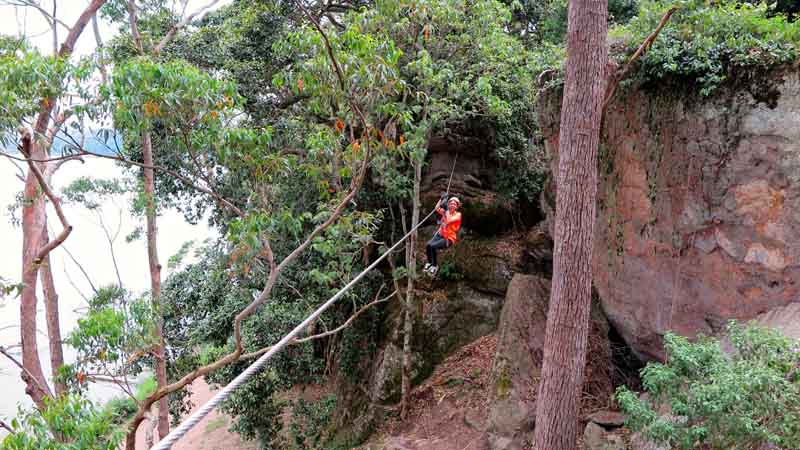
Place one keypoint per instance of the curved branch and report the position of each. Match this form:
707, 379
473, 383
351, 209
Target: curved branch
27, 139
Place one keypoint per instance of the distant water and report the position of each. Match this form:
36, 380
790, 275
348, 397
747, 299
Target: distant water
89, 247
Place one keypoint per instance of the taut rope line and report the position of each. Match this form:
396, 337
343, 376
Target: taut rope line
177, 433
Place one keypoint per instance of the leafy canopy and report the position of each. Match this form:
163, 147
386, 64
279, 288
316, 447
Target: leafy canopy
708, 42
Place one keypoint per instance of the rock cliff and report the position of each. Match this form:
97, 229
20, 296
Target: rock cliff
699, 206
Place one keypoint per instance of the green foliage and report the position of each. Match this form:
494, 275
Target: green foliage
541, 22
176, 94
707, 42
115, 328
26, 78
720, 401
30, 80
9, 287
92, 192
69, 423
176, 260
449, 270
310, 421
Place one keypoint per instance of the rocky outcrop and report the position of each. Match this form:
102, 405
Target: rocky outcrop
474, 181
518, 359
699, 208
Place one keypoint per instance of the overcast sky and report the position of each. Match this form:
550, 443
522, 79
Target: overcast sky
87, 242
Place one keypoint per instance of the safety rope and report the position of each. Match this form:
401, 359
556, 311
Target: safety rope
177, 433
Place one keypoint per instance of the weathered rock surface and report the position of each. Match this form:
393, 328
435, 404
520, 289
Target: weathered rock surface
517, 363
474, 181
609, 419
596, 438
698, 219
785, 319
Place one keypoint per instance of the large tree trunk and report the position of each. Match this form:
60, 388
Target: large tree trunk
52, 318
33, 230
411, 265
155, 280
558, 403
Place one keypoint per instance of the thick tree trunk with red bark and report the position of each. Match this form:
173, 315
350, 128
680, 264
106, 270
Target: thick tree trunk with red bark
33, 230
155, 279
558, 403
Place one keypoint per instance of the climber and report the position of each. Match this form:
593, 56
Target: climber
446, 235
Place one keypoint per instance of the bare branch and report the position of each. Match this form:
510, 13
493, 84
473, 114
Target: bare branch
3, 424
338, 329
184, 180
80, 267
99, 40
74, 286
54, 25
137, 38
171, 33
32, 4
612, 86
25, 371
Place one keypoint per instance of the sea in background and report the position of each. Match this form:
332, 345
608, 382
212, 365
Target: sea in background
88, 245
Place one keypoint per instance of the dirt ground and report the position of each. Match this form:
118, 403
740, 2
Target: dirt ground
449, 409
211, 433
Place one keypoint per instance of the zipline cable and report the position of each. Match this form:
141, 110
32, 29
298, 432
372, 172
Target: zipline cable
177, 433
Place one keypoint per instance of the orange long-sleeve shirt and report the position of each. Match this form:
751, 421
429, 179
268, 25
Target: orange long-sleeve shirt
451, 223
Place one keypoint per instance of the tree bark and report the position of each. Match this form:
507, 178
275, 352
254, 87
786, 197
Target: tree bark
155, 280
558, 403
411, 265
33, 229
34, 226
52, 319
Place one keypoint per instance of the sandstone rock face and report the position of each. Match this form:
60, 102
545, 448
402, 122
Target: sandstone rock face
699, 208
517, 362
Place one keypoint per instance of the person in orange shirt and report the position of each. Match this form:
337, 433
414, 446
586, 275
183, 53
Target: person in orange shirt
446, 235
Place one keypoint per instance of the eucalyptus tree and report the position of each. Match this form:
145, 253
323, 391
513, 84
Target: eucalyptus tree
34, 88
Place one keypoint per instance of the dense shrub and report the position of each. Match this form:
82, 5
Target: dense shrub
717, 400
706, 42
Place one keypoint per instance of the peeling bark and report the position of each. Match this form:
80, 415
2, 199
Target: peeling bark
33, 229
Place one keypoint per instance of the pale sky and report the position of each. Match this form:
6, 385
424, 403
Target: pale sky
19, 20
86, 243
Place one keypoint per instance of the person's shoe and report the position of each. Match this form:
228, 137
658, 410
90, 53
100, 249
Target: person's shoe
433, 270
427, 267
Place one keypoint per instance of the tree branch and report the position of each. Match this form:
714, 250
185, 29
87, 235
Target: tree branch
3, 424
27, 139
172, 31
338, 329
186, 181
67, 47
25, 371
137, 38
612, 86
